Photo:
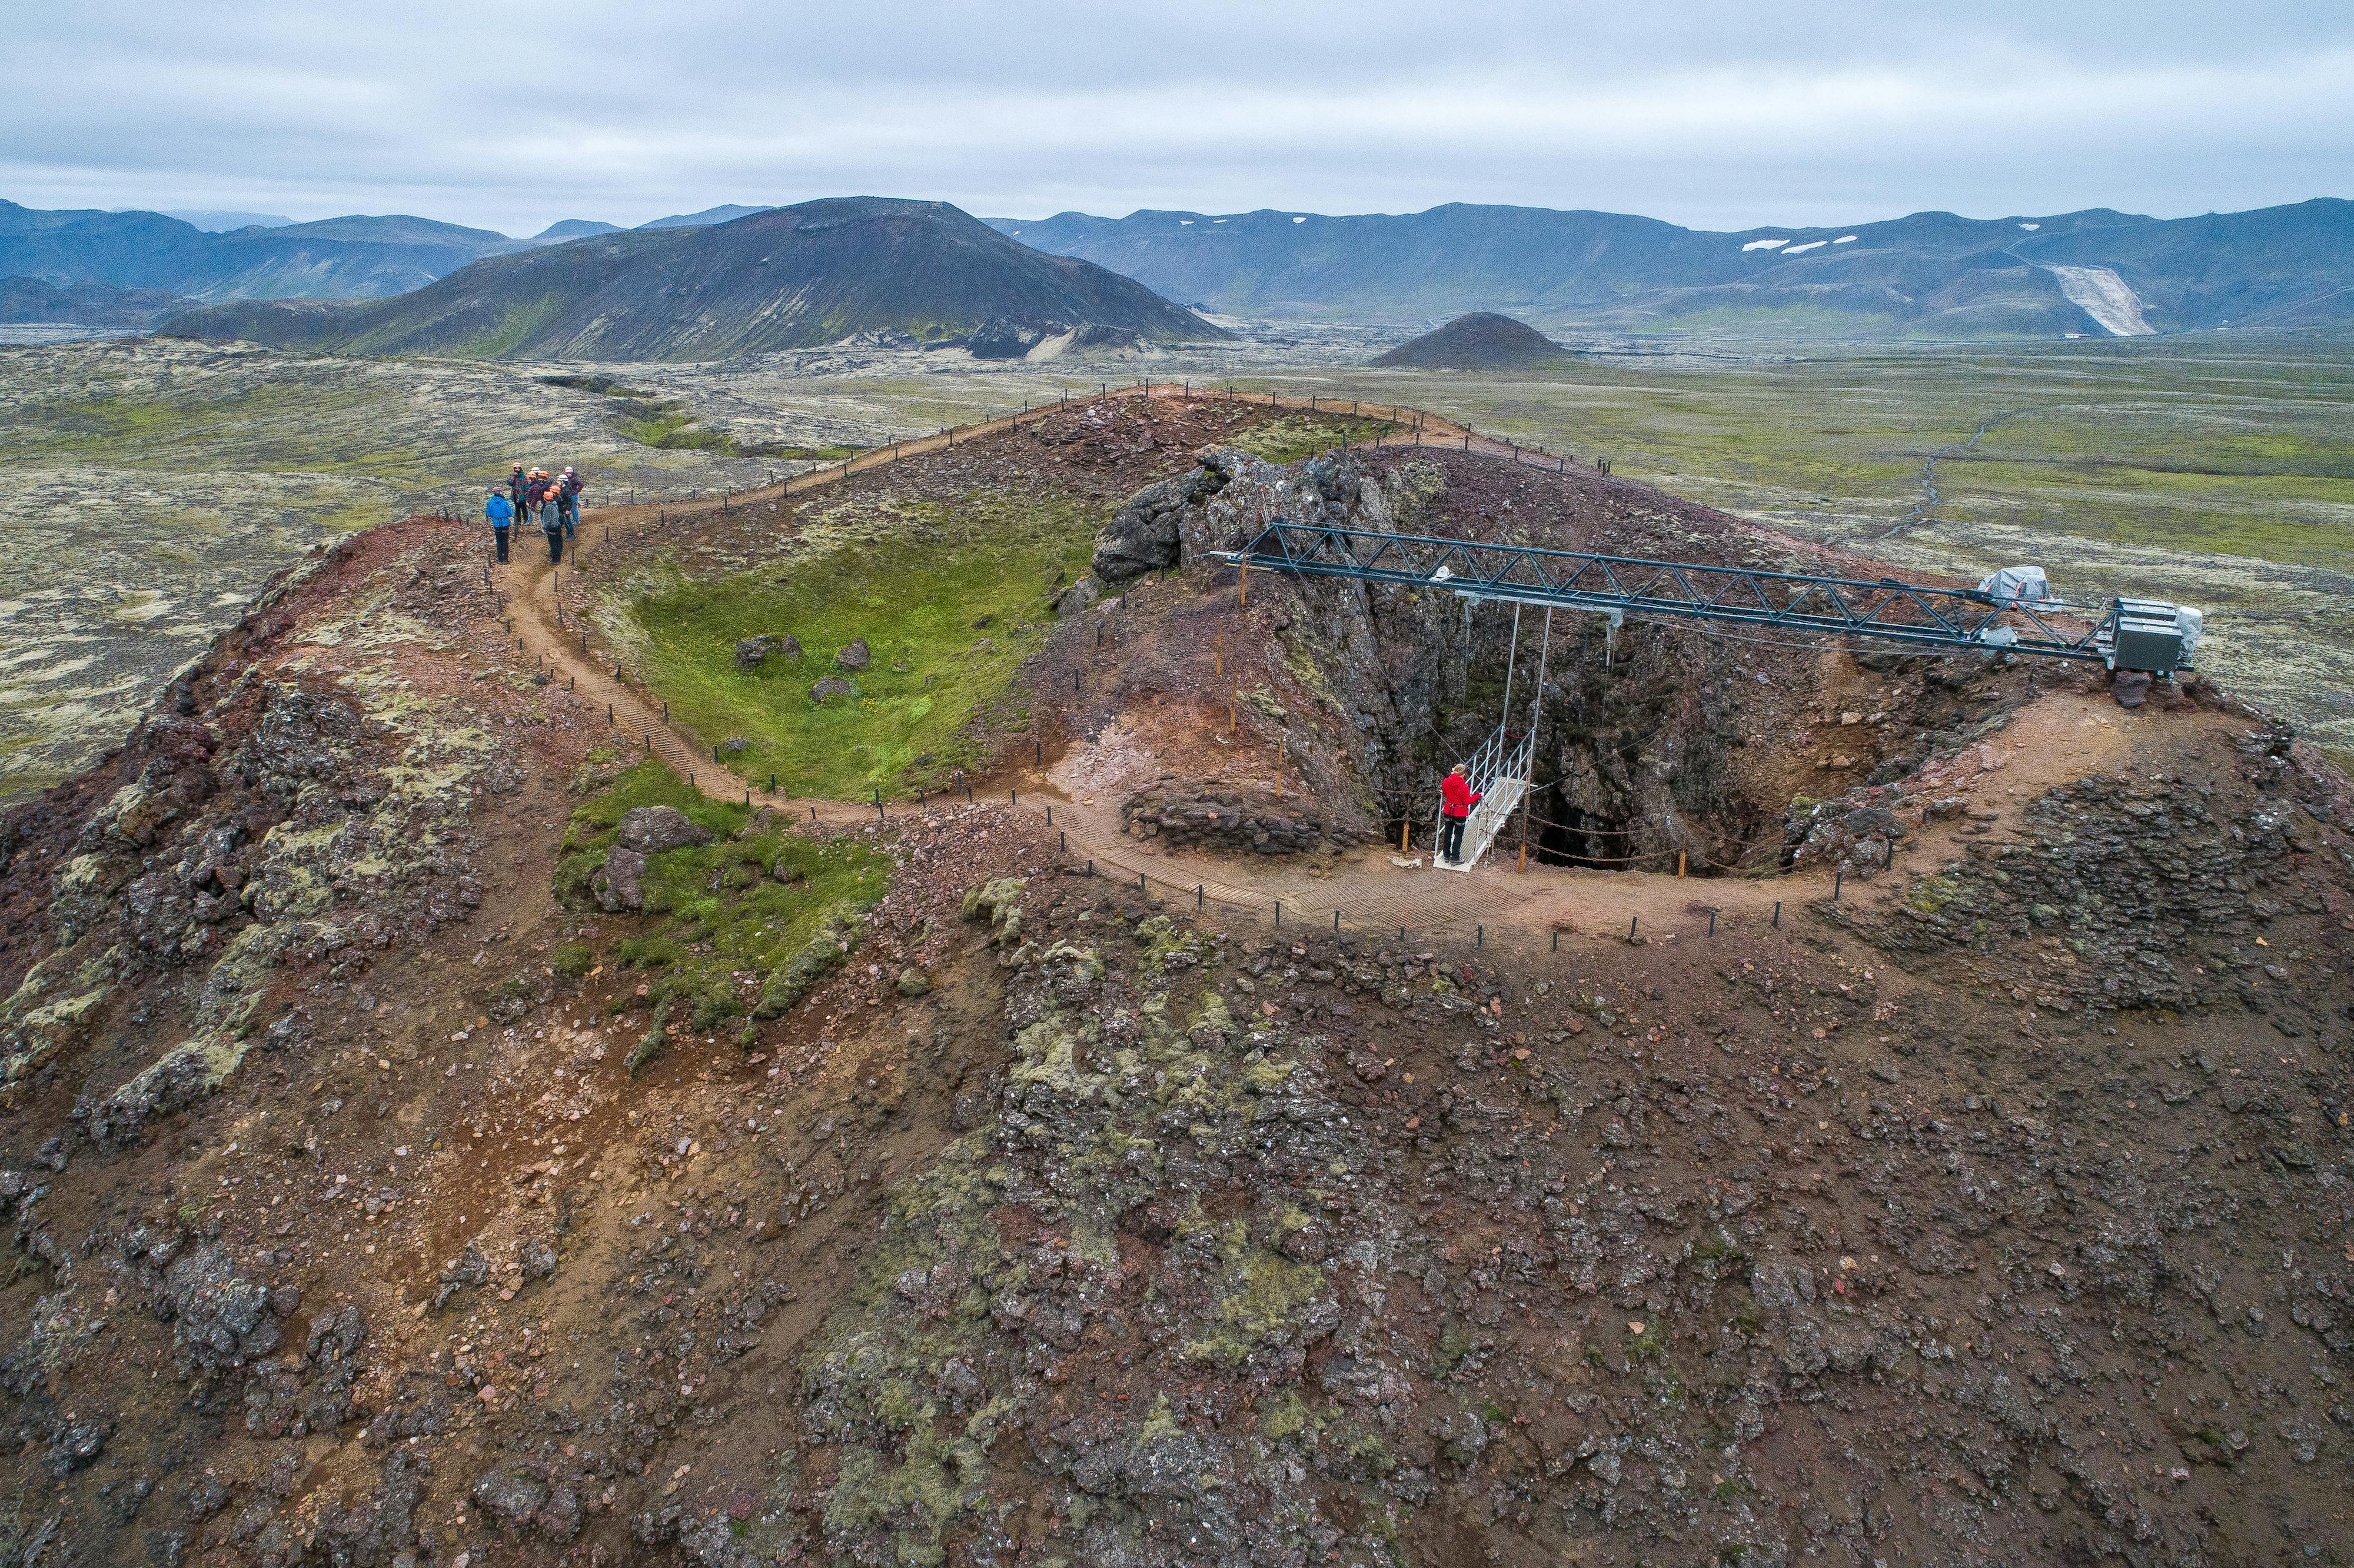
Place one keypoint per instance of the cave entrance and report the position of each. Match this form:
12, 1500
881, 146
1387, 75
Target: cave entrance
1564, 834
1634, 734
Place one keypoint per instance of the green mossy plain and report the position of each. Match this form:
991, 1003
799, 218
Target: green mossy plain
950, 598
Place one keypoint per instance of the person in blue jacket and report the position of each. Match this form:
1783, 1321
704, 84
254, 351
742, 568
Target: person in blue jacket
500, 511
567, 490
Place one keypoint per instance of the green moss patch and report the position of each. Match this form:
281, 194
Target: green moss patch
1259, 1302
725, 935
669, 427
950, 599
1296, 436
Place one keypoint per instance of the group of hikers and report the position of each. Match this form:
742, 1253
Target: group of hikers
552, 501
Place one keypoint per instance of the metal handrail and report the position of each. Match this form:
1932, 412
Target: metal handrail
1497, 758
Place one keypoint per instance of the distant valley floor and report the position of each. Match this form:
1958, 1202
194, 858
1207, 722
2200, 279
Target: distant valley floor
147, 488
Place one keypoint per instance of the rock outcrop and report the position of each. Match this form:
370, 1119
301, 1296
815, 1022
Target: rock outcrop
1167, 524
2124, 891
1177, 817
751, 652
618, 883
650, 830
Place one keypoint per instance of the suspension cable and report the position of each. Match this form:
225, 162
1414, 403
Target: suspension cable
1512, 657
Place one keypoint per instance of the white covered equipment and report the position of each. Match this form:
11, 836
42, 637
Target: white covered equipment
2016, 585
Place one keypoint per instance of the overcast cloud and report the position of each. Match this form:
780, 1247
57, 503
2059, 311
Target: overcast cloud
512, 115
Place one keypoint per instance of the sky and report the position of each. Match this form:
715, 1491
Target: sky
509, 114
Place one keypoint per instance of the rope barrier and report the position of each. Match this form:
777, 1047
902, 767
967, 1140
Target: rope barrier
1272, 906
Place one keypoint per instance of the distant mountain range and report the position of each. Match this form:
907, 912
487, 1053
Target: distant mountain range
353, 257
259, 256
29, 300
1929, 275
708, 216
213, 220
573, 228
792, 277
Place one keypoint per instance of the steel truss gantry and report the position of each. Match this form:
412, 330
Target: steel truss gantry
2125, 634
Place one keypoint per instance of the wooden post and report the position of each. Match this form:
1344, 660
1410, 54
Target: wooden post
1245, 585
1680, 863
1406, 826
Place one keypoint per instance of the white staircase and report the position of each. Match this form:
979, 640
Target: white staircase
1498, 774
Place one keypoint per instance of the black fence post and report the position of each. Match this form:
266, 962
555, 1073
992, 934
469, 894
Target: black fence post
1279, 913
1777, 913
1197, 893
1631, 920
1712, 922
1479, 936
1838, 879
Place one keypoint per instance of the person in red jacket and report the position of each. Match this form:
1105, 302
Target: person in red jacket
1457, 797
